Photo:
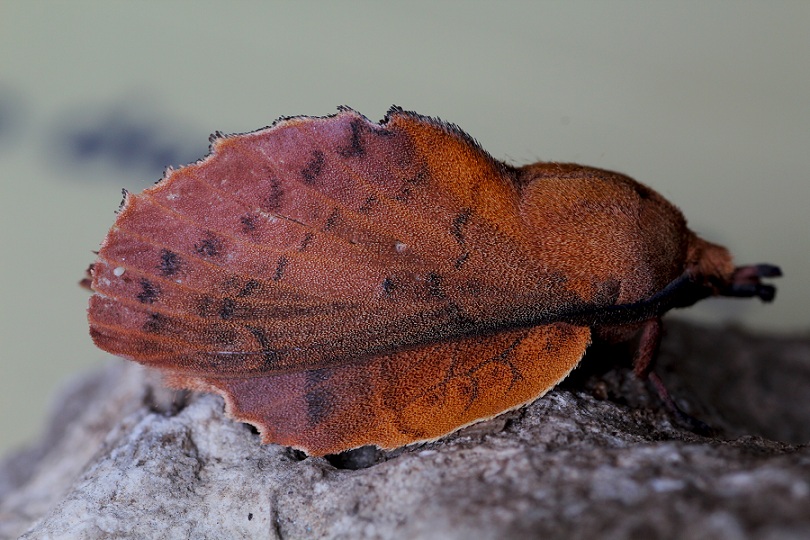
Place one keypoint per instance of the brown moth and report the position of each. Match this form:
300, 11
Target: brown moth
346, 283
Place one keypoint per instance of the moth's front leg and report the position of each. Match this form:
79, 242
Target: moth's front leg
643, 366
745, 282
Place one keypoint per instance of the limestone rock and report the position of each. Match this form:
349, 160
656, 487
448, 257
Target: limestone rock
124, 459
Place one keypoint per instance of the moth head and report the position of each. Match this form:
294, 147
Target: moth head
708, 263
712, 267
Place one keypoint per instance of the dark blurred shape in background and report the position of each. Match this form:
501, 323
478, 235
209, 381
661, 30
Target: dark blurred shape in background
126, 143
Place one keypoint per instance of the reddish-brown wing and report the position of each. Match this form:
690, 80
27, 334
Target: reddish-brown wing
316, 242
404, 397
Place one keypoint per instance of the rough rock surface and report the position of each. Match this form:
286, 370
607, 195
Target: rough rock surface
124, 459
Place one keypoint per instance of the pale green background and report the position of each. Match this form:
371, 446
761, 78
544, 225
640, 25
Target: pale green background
705, 101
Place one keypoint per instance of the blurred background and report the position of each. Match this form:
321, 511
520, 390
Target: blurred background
707, 102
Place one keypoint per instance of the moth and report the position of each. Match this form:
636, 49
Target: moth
344, 283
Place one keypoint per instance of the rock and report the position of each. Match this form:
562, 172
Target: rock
124, 459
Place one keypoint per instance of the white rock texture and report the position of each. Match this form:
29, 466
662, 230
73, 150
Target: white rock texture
124, 459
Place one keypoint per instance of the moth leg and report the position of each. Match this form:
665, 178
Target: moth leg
643, 365
648, 344
745, 282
